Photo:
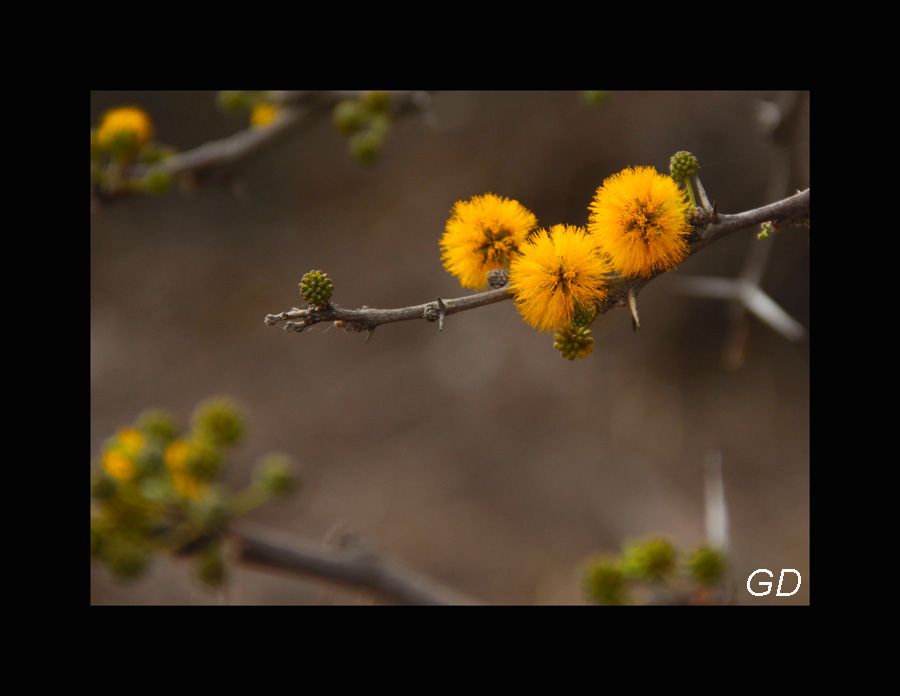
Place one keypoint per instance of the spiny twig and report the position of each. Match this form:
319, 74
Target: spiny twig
354, 564
784, 212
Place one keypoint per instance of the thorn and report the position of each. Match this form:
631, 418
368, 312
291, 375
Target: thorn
632, 307
714, 216
369, 333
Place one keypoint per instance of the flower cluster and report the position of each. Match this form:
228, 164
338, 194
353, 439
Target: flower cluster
638, 226
258, 103
653, 570
122, 144
365, 121
157, 490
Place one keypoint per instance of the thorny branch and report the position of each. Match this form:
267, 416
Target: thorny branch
353, 564
784, 212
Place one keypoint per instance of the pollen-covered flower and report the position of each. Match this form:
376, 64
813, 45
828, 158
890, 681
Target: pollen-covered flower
639, 218
128, 122
263, 114
557, 272
177, 458
482, 234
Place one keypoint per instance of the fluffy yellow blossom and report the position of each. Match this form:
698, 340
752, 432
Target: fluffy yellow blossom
176, 459
557, 271
484, 233
639, 218
131, 441
263, 114
119, 465
128, 121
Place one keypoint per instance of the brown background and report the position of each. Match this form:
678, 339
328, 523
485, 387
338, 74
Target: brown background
476, 455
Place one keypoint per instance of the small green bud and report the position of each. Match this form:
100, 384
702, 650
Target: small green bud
158, 425
651, 560
376, 102
275, 474
232, 101
349, 117
574, 342
683, 165
595, 96
156, 181
149, 460
366, 146
707, 566
155, 488
209, 565
204, 461
380, 124
766, 229
603, 582
123, 147
103, 487
584, 315
316, 288
220, 421
498, 278
125, 560
212, 514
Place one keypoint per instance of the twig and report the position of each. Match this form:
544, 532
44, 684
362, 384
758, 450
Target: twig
355, 564
783, 212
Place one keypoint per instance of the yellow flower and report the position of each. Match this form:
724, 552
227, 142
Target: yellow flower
263, 114
557, 271
639, 218
185, 485
482, 234
131, 441
129, 121
118, 465
176, 455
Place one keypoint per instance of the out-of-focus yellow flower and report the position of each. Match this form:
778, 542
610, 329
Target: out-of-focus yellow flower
482, 234
187, 486
176, 455
131, 441
639, 218
557, 272
263, 114
127, 121
118, 465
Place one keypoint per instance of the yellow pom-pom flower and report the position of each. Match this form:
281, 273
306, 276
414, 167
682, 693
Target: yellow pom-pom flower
263, 114
639, 218
118, 465
482, 234
118, 460
558, 271
176, 460
128, 122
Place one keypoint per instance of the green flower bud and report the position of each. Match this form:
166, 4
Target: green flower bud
380, 124
316, 288
682, 165
125, 561
603, 582
766, 229
707, 566
156, 181
124, 146
349, 117
584, 315
366, 146
232, 101
209, 565
103, 487
595, 96
158, 425
204, 461
219, 420
574, 342
376, 102
651, 560
211, 514
149, 460
275, 474
498, 278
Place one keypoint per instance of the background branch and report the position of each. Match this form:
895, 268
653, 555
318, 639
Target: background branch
353, 564
786, 211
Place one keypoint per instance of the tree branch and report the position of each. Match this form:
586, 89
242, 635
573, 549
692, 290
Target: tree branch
789, 210
354, 564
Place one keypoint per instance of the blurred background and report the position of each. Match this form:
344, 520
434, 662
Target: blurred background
478, 455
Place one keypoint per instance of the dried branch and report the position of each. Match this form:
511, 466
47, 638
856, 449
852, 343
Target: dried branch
354, 564
784, 212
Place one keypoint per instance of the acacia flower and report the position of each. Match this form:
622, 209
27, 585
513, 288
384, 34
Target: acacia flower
483, 234
557, 272
639, 218
125, 122
263, 114
176, 459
